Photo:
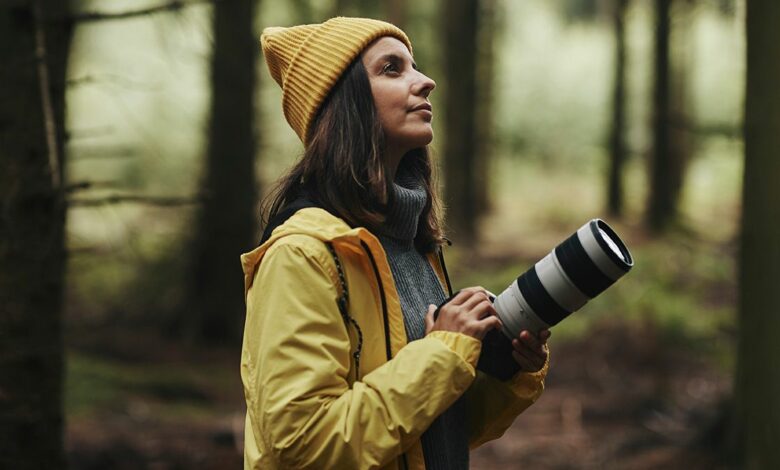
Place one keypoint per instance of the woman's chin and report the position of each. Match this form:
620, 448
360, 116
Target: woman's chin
424, 138
411, 140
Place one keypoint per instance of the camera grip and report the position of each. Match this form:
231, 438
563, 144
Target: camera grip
496, 356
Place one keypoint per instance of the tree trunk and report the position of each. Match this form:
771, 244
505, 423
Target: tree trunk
33, 54
679, 125
460, 69
661, 205
485, 125
226, 224
758, 357
617, 144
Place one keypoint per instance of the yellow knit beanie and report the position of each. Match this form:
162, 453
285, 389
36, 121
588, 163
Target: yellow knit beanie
307, 61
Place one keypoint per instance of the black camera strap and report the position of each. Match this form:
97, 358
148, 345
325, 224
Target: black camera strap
342, 302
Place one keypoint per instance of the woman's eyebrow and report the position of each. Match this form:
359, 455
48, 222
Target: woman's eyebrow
395, 58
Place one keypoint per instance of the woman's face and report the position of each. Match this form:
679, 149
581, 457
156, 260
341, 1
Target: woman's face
400, 94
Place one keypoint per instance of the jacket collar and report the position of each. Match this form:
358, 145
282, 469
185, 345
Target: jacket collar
317, 223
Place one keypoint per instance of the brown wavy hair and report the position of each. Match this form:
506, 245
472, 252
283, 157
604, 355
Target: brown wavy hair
342, 168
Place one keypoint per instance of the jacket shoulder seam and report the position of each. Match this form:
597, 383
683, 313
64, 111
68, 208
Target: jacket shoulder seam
310, 247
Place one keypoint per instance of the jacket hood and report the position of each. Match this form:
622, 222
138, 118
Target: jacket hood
314, 222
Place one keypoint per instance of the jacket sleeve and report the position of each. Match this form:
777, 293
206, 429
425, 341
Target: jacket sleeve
295, 364
494, 404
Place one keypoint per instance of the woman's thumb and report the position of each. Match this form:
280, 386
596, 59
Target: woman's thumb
429, 318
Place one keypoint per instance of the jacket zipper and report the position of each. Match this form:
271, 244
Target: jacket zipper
388, 349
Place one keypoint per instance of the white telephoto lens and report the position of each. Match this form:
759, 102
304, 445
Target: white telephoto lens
515, 313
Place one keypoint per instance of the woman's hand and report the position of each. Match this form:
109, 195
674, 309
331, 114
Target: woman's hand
531, 351
470, 312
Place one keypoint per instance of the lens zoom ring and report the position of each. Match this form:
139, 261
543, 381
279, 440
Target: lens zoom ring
582, 271
538, 299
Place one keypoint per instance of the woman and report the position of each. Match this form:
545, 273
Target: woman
343, 363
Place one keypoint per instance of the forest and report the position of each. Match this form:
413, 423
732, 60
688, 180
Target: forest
139, 137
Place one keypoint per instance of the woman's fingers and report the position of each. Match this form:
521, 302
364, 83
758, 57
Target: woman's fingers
462, 296
532, 343
472, 301
470, 311
527, 358
479, 306
490, 322
429, 318
526, 364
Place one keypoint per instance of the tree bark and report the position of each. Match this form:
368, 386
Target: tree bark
485, 125
460, 145
661, 205
679, 125
617, 143
226, 224
33, 54
758, 357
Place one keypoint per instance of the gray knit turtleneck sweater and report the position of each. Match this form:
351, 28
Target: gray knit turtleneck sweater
445, 443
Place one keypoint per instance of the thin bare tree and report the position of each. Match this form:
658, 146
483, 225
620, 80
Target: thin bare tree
671, 140
460, 145
617, 143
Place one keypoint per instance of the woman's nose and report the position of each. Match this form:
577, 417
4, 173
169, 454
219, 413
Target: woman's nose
425, 85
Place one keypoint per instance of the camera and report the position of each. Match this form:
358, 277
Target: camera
577, 270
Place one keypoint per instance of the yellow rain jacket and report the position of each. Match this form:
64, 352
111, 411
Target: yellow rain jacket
304, 407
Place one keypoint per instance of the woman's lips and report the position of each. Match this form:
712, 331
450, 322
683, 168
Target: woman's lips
425, 109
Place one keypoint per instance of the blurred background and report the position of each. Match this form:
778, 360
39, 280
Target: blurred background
137, 138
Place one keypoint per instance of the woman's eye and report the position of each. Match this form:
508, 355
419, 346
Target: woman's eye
389, 67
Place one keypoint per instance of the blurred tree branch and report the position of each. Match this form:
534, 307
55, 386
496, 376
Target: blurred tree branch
104, 153
113, 79
81, 185
172, 6
160, 201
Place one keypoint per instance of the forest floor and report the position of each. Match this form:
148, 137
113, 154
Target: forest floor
621, 398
